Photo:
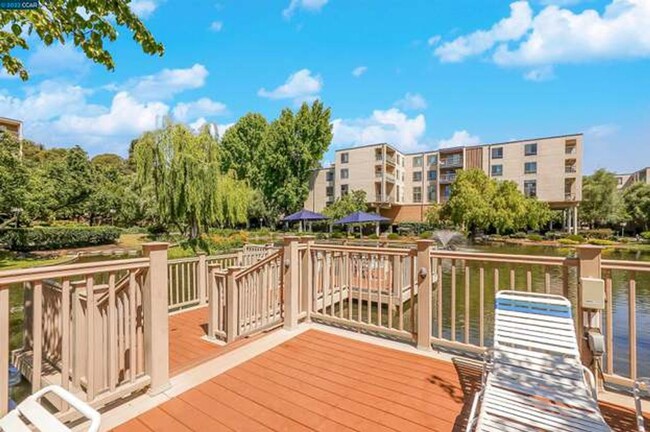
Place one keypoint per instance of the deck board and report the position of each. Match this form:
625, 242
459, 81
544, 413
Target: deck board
318, 381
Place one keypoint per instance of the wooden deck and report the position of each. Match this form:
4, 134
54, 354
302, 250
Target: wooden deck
323, 382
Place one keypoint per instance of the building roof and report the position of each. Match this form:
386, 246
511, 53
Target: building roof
10, 120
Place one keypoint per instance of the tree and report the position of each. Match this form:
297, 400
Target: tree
600, 204
189, 188
110, 183
245, 148
469, 204
13, 179
349, 203
538, 214
434, 216
636, 200
87, 24
295, 145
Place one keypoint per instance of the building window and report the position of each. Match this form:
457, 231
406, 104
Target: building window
431, 193
345, 157
417, 194
417, 161
530, 168
329, 191
329, 176
432, 175
432, 159
530, 188
530, 149
417, 176
344, 173
402, 175
344, 189
497, 170
497, 153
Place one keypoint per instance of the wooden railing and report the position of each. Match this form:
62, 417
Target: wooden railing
94, 328
245, 300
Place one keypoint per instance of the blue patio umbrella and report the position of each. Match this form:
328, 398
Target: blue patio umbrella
360, 217
304, 216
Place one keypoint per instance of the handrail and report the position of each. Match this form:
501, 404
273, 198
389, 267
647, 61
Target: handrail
361, 249
258, 264
502, 258
625, 265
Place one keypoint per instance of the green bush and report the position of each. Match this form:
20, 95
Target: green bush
48, 238
535, 237
576, 238
519, 235
425, 235
601, 242
601, 233
393, 236
568, 241
554, 235
338, 235
373, 237
645, 235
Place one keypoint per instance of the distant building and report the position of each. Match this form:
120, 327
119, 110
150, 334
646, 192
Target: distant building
13, 126
402, 186
626, 180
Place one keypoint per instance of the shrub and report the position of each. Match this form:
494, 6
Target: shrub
602, 233
601, 242
393, 236
519, 235
425, 235
48, 238
576, 238
373, 237
338, 235
567, 241
645, 235
535, 237
554, 235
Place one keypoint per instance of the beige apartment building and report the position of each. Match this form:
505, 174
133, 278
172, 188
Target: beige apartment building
13, 126
402, 186
624, 181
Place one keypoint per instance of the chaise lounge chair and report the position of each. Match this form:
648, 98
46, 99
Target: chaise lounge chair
534, 379
31, 415
641, 389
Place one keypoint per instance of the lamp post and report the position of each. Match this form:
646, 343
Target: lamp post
112, 212
623, 224
17, 211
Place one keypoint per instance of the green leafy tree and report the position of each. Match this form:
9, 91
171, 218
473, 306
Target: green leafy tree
189, 188
434, 216
244, 148
600, 203
349, 203
508, 207
13, 179
636, 200
110, 182
538, 214
469, 204
295, 145
87, 24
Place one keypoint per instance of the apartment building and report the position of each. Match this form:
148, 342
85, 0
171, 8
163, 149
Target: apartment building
402, 186
13, 126
624, 181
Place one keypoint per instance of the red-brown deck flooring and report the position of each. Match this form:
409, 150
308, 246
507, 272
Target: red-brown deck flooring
322, 382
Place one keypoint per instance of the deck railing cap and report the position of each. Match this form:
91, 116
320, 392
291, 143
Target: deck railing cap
305, 239
155, 246
289, 238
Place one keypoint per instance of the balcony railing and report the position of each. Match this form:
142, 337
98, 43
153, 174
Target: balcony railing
451, 162
570, 169
390, 159
569, 196
381, 198
570, 150
448, 178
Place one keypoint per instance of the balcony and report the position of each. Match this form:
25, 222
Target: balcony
451, 162
570, 169
569, 196
570, 150
447, 178
384, 199
379, 175
390, 159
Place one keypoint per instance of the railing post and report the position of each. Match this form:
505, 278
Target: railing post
232, 305
589, 267
307, 276
202, 278
4, 349
156, 317
291, 281
423, 271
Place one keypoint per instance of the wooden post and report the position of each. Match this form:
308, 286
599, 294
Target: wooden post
232, 305
202, 278
156, 317
307, 276
291, 282
589, 266
4, 350
423, 271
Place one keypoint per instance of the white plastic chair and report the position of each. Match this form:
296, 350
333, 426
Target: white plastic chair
641, 387
30, 414
534, 379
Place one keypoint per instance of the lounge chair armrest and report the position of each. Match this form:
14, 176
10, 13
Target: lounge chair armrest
590, 380
74, 402
639, 386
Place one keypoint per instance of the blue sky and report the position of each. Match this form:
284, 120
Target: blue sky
417, 74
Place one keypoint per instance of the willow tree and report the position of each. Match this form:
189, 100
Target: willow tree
191, 192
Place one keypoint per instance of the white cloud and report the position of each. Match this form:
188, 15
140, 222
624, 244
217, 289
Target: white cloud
204, 107
459, 139
511, 28
143, 8
359, 70
543, 73
601, 131
558, 35
309, 5
300, 86
216, 26
166, 83
412, 101
56, 59
433, 40
561, 3
392, 126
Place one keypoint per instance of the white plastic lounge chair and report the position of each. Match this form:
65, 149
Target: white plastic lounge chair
534, 379
641, 388
30, 415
